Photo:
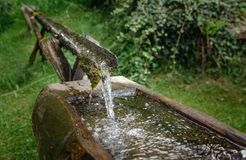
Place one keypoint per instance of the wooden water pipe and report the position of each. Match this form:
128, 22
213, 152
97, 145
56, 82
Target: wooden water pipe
61, 37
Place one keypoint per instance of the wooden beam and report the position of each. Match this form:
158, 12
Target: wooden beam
52, 51
82, 46
36, 48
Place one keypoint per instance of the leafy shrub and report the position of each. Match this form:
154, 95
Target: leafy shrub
192, 34
94, 3
5, 18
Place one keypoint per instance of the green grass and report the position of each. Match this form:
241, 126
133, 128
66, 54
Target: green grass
20, 85
219, 98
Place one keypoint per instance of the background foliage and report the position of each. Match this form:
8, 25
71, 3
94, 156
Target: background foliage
173, 34
5, 19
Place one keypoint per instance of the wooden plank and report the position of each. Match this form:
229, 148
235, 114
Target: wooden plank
36, 48
52, 52
26, 17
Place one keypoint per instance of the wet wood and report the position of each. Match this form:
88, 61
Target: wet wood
26, 17
36, 48
51, 51
83, 47
77, 44
35, 29
60, 134
77, 72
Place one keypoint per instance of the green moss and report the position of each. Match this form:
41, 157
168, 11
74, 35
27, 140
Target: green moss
91, 71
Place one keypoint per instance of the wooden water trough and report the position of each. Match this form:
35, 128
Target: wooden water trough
61, 134
58, 129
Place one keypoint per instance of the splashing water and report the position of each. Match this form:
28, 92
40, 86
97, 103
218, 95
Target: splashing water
105, 81
106, 88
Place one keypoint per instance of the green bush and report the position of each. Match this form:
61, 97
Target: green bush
94, 3
176, 33
5, 12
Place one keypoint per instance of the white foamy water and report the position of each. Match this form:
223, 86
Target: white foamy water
106, 88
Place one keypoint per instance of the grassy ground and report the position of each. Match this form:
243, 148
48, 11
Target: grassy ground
20, 85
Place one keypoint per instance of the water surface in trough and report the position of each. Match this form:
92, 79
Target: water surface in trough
146, 129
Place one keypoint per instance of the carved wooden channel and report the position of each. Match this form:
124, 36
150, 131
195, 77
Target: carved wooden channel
62, 37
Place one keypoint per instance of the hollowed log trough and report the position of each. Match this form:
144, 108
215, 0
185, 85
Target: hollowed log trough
60, 133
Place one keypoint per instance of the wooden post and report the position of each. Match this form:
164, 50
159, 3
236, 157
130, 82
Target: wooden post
36, 48
52, 52
77, 72
26, 17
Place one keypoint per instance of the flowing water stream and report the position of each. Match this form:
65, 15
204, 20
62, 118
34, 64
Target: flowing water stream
106, 88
